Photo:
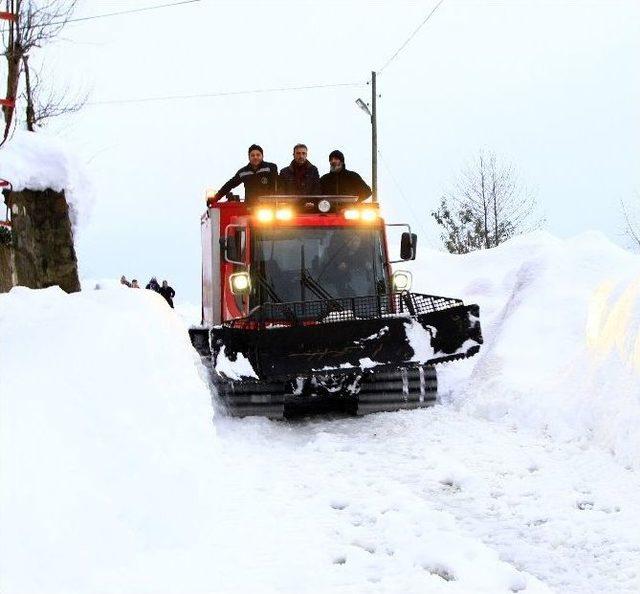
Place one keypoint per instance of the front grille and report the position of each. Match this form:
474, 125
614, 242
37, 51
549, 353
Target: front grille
329, 311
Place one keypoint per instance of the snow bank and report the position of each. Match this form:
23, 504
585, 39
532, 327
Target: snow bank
103, 419
36, 161
561, 323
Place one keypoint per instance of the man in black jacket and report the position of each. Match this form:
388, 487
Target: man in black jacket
167, 292
153, 285
259, 178
300, 178
342, 182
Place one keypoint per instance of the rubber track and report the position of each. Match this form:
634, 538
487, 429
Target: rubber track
385, 391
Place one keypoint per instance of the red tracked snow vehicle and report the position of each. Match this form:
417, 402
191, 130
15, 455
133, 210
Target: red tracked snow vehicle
301, 311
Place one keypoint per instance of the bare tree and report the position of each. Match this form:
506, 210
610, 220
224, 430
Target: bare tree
36, 23
488, 205
44, 102
631, 216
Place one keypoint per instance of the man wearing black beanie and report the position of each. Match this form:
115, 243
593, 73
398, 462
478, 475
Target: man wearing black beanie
342, 182
259, 178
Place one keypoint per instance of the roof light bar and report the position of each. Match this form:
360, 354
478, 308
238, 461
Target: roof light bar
268, 215
366, 215
284, 214
264, 215
351, 214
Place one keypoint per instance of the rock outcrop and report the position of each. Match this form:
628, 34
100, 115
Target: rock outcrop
42, 252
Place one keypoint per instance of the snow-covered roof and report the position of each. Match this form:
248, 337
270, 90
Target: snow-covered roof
37, 161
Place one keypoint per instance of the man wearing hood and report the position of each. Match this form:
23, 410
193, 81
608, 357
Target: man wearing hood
300, 178
342, 182
153, 285
259, 178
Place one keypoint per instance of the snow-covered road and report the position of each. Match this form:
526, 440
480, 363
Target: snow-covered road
386, 498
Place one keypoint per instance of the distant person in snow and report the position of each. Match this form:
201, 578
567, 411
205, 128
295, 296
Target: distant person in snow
167, 292
153, 285
134, 284
124, 281
300, 177
342, 182
259, 178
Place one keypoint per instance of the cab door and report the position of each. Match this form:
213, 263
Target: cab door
235, 259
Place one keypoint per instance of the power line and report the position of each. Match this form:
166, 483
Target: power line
222, 94
130, 11
392, 58
112, 14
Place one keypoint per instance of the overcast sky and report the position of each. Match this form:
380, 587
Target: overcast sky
552, 87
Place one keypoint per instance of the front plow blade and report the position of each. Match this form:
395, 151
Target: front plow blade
391, 339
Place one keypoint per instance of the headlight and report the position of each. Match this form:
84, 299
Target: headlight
264, 215
401, 280
240, 283
284, 214
324, 206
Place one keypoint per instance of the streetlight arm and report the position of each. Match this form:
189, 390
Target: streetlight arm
363, 106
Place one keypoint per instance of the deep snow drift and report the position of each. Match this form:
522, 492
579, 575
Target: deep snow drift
103, 421
113, 477
561, 322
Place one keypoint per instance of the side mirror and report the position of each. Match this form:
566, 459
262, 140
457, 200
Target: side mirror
231, 249
231, 245
408, 245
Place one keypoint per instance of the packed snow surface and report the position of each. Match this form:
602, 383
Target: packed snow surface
36, 161
115, 479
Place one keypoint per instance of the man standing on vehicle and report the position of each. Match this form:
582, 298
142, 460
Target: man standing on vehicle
300, 178
342, 182
259, 178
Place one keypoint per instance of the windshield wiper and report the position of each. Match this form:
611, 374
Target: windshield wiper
266, 285
312, 284
306, 280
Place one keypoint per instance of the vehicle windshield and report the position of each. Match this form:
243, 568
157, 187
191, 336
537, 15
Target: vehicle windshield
305, 264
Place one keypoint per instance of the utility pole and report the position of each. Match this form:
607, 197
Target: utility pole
372, 113
374, 140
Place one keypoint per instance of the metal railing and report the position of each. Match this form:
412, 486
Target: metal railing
329, 311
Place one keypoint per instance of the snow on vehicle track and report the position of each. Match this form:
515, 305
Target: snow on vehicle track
113, 479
